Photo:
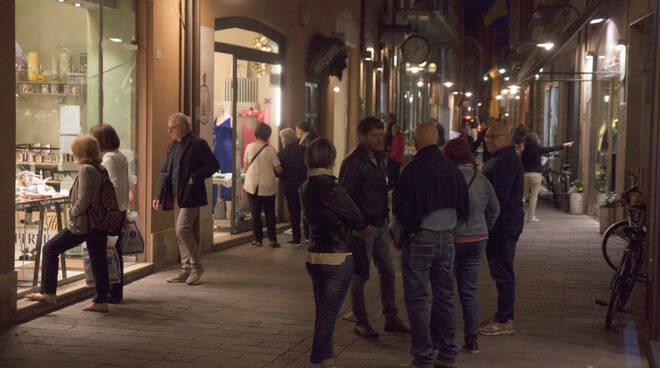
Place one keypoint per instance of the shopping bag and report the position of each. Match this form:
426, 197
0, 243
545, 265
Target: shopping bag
131, 239
112, 259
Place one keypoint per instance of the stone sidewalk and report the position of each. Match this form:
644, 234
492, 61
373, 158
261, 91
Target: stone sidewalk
255, 309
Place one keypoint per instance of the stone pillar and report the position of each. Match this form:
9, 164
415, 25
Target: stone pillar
8, 165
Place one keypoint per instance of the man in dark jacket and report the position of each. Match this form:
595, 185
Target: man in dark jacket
429, 199
504, 169
363, 174
188, 163
292, 158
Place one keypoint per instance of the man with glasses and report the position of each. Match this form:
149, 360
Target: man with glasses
505, 171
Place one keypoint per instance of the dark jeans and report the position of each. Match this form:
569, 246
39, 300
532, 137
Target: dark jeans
393, 172
330, 287
429, 258
376, 246
116, 291
293, 201
65, 240
500, 251
267, 204
466, 271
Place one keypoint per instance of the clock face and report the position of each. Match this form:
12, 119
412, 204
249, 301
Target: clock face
415, 49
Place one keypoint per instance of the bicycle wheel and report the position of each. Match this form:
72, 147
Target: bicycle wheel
619, 290
615, 242
614, 301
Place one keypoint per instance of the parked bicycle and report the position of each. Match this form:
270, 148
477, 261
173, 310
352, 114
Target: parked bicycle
630, 264
557, 182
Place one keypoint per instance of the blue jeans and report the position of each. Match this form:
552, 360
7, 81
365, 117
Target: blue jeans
500, 251
429, 258
330, 287
466, 271
376, 246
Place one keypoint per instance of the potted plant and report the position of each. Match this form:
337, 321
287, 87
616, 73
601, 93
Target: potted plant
576, 197
607, 211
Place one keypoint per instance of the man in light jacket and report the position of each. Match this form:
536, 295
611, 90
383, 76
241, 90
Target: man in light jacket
188, 163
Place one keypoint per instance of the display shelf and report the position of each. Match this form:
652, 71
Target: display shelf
52, 82
44, 164
46, 94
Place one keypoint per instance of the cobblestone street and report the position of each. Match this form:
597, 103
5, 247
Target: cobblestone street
255, 309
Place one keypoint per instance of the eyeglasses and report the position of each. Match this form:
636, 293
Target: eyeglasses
492, 137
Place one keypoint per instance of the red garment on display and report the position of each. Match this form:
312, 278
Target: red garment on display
248, 133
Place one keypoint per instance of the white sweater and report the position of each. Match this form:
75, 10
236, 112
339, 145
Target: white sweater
117, 165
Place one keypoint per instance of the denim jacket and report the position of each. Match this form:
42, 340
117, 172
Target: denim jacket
484, 206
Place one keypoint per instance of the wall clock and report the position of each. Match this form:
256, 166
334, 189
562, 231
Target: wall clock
415, 49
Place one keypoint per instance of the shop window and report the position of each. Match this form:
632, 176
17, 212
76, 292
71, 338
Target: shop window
58, 84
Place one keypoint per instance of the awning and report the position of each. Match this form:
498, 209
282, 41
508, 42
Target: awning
327, 56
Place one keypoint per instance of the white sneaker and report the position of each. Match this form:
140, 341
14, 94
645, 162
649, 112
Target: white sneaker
535, 219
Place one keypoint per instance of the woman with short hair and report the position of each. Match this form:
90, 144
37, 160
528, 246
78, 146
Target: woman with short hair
117, 165
85, 194
331, 215
261, 166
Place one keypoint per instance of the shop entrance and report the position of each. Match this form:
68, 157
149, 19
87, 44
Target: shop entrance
248, 81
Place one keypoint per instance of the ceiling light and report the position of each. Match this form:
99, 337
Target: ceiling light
606, 98
546, 45
541, 70
502, 70
596, 21
410, 99
455, 92
414, 69
505, 91
537, 77
76, 5
485, 78
336, 89
468, 94
448, 84
506, 79
517, 97
479, 104
506, 114
601, 57
420, 83
115, 39
422, 64
498, 97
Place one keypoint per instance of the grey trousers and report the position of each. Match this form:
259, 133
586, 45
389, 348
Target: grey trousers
186, 237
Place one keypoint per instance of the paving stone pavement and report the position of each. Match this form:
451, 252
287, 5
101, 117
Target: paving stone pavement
255, 309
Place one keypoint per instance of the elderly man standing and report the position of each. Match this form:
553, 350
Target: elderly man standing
181, 186
363, 175
504, 169
429, 200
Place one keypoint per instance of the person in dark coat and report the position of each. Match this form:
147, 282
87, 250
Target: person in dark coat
292, 158
332, 217
505, 171
188, 164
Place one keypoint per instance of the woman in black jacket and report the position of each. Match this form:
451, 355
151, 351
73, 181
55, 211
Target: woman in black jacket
531, 159
331, 215
292, 158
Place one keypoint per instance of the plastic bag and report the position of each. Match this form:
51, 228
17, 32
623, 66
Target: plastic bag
112, 259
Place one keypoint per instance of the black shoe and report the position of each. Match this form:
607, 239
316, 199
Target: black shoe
471, 347
365, 330
396, 325
275, 244
296, 242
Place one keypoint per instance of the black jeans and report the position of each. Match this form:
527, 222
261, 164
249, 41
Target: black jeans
393, 172
267, 203
500, 251
65, 240
293, 201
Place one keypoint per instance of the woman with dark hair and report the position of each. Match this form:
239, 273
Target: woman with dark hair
470, 237
531, 159
81, 227
117, 165
304, 132
331, 215
261, 166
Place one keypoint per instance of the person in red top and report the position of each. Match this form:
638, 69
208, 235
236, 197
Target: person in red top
395, 156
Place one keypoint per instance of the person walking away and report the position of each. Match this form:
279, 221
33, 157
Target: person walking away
485, 155
362, 173
395, 156
331, 215
470, 238
505, 172
261, 166
189, 162
531, 159
304, 133
117, 166
85, 195
292, 158
518, 140
428, 202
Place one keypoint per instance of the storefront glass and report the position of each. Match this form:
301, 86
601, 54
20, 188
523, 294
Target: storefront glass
58, 85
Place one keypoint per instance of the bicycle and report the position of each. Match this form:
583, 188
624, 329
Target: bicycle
558, 182
631, 264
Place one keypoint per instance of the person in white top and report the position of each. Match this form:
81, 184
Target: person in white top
261, 166
117, 165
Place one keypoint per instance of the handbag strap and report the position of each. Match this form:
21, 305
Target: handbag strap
257, 155
474, 175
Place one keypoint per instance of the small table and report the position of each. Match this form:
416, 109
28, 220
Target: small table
42, 205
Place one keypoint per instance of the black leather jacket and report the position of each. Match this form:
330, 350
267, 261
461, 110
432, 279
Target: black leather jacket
331, 215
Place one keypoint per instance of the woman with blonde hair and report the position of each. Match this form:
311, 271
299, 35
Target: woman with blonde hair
85, 194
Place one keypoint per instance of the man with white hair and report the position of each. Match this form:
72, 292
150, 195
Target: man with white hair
189, 162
